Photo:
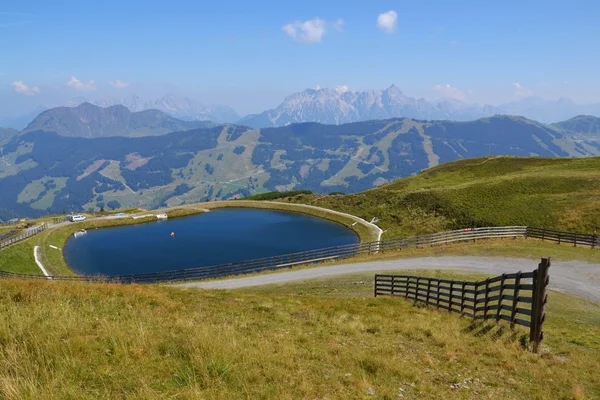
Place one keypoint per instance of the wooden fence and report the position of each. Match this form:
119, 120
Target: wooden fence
317, 256
305, 257
564, 237
8, 223
519, 298
24, 235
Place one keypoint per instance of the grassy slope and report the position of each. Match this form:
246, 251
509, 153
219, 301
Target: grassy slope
320, 340
554, 193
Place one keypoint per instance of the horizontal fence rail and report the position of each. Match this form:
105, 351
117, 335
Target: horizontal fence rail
8, 223
305, 257
23, 236
564, 237
319, 255
518, 298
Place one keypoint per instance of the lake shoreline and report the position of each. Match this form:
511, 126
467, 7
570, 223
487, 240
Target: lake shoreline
55, 262
222, 236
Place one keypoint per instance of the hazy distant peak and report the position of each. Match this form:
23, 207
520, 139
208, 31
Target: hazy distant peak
90, 121
337, 106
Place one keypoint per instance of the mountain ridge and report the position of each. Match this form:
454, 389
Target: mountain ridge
91, 121
340, 105
42, 171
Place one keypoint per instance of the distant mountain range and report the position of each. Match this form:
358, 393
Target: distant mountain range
84, 157
176, 106
332, 106
179, 107
338, 106
90, 121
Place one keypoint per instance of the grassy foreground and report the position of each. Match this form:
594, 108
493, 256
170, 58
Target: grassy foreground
313, 340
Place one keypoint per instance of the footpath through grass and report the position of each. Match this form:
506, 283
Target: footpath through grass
325, 339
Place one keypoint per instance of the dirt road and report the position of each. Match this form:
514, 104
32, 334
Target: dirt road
575, 277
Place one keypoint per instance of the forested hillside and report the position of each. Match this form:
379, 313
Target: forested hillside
43, 171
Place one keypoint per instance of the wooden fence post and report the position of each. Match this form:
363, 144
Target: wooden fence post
513, 314
450, 299
462, 299
428, 290
475, 287
500, 297
540, 298
485, 301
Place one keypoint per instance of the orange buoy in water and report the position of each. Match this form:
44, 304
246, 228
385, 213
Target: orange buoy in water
172, 234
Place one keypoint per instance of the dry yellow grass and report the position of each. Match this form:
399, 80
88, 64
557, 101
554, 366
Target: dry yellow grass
316, 340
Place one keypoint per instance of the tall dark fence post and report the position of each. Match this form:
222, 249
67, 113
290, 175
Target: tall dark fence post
475, 288
540, 298
513, 314
451, 294
500, 297
486, 299
462, 299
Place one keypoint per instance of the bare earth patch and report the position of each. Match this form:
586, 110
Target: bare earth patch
134, 161
91, 169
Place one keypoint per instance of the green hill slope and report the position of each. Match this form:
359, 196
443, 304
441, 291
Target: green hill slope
586, 126
545, 192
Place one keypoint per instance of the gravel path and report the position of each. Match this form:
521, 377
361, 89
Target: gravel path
575, 277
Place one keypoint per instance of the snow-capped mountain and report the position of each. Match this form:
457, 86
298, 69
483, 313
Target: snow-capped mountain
337, 106
176, 106
340, 105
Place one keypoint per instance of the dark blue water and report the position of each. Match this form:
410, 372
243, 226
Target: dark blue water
217, 237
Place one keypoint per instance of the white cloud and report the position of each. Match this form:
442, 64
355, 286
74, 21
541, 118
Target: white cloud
339, 25
83, 86
451, 91
311, 31
387, 21
118, 84
22, 88
521, 91
342, 88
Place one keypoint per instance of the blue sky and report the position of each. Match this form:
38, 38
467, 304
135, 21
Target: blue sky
240, 54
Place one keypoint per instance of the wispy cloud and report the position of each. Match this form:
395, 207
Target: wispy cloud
311, 31
339, 25
387, 21
22, 88
521, 91
83, 86
451, 91
118, 84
